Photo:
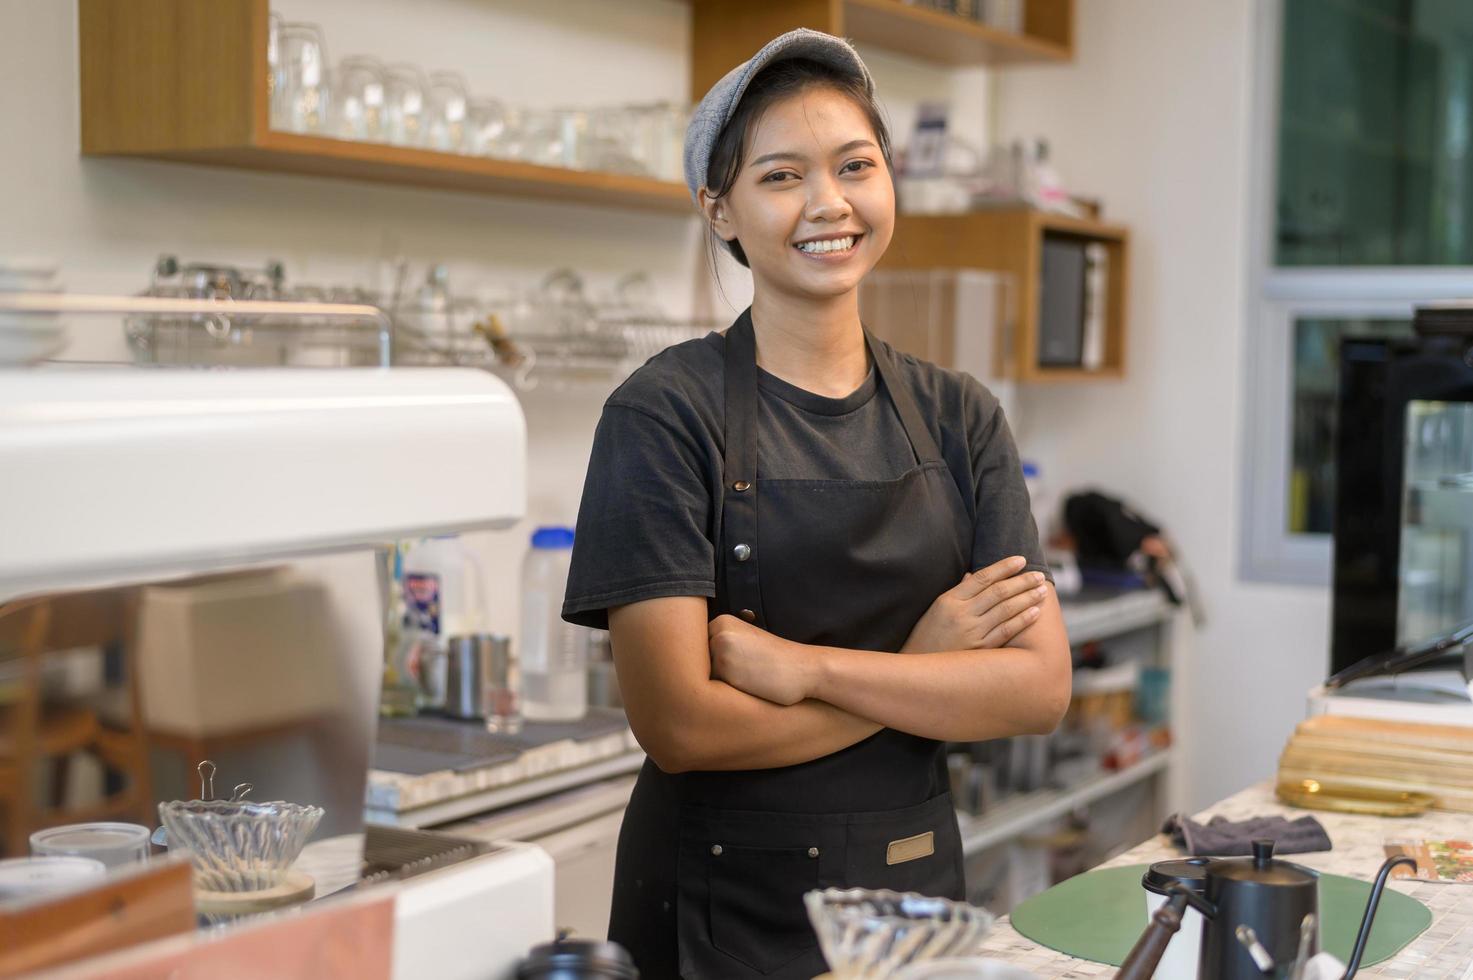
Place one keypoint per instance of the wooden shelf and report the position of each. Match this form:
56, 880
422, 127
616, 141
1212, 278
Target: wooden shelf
949, 39
184, 81
1010, 240
724, 33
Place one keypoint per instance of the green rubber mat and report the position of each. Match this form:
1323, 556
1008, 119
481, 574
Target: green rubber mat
1100, 914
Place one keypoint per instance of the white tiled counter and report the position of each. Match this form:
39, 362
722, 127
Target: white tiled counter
1445, 950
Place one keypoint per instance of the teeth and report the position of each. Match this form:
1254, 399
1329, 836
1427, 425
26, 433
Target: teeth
829, 245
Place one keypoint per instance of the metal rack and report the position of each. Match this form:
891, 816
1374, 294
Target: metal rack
225, 320
217, 315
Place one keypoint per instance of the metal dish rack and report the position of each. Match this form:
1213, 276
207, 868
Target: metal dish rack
212, 315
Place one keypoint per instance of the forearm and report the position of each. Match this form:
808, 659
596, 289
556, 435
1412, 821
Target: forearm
958, 695
722, 728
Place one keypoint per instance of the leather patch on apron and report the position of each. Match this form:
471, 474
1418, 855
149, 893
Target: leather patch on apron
911, 848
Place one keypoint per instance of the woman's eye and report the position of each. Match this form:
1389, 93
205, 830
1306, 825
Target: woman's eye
780, 177
855, 166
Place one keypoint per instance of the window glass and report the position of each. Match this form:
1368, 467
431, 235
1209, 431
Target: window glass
1375, 107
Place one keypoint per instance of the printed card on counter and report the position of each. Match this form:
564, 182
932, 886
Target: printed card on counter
1437, 860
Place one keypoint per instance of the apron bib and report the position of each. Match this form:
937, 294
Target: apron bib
712, 866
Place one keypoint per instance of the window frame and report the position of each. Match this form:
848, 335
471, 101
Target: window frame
1276, 297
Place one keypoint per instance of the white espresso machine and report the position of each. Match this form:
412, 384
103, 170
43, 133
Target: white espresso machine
227, 492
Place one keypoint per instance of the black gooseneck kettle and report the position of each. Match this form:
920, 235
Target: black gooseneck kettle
1255, 912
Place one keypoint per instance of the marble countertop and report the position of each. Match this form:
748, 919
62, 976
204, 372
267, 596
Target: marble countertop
1443, 952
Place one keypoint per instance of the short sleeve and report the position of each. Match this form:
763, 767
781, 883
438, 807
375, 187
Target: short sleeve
645, 525
1004, 525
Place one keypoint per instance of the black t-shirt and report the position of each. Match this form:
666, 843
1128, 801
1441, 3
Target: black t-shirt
651, 511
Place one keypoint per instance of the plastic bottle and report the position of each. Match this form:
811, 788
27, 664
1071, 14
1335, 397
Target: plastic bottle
554, 653
444, 596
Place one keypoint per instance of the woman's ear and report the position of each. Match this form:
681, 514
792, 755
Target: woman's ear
716, 213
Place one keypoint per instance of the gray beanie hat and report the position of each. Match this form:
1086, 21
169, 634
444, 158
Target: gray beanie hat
717, 108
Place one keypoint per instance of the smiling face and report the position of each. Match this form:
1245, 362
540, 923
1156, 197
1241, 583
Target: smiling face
813, 205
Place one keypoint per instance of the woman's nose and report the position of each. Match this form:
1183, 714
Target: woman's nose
826, 202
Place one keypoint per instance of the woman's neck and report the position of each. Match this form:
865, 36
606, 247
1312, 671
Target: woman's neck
817, 346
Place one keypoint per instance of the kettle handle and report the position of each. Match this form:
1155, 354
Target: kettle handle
1375, 900
1145, 955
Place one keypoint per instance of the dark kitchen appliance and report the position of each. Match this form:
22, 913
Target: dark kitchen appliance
1403, 523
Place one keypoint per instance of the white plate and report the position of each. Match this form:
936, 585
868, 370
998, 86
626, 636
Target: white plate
32, 876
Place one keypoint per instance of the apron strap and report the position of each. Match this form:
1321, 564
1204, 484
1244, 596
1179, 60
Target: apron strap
910, 417
738, 538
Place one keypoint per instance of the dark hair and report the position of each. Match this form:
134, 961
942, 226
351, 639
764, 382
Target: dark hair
771, 85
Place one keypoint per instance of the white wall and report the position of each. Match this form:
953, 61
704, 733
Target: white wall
1154, 118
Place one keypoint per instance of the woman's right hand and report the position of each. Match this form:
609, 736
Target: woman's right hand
985, 610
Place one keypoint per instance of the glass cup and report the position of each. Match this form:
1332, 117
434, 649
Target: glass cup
404, 104
485, 126
275, 78
113, 844
445, 112
304, 98
360, 99
611, 141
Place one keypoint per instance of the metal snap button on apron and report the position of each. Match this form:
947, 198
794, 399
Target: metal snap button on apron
741, 486
715, 850
742, 552
748, 615
813, 852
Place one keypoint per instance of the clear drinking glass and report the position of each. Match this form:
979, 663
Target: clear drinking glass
275, 76
306, 94
557, 138
511, 142
485, 126
445, 112
611, 141
404, 104
360, 99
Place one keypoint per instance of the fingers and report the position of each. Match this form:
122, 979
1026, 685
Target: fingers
973, 583
1018, 585
1003, 634
1015, 605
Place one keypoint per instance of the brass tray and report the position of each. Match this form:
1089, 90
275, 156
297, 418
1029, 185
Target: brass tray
1312, 794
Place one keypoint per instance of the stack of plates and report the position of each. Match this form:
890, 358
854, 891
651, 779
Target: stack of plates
29, 337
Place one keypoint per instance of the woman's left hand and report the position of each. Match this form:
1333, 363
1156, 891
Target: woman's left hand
757, 662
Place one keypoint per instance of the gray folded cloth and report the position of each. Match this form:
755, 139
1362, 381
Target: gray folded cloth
1221, 837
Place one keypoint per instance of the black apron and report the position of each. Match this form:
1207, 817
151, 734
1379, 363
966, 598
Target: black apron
712, 866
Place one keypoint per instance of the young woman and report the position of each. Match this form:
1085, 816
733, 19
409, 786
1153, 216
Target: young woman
814, 554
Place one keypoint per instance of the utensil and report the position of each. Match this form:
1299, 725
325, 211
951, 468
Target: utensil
467, 670
867, 934
1308, 929
359, 111
1255, 910
445, 112
404, 104
303, 101
239, 846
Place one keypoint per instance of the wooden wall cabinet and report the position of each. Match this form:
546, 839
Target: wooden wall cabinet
1011, 241
186, 80
725, 33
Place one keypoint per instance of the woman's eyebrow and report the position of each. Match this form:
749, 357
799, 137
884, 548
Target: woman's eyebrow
848, 147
